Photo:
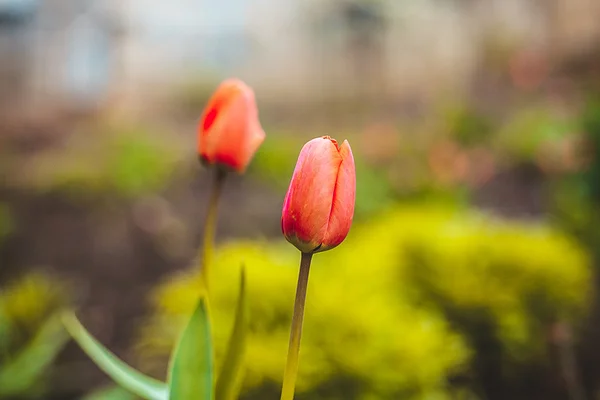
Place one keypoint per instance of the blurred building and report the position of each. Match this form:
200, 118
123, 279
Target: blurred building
81, 54
57, 55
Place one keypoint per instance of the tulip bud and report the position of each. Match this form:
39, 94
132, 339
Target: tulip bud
319, 205
229, 132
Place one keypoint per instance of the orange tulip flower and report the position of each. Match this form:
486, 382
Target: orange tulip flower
229, 132
319, 205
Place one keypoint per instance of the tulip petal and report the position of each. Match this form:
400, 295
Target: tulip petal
342, 209
308, 203
254, 138
207, 135
230, 145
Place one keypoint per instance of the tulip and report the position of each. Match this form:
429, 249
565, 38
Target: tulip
317, 215
319, 205
229, 132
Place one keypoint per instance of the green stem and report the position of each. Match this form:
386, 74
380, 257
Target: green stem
210, 225
291, 368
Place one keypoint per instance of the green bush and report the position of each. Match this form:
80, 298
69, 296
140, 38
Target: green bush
575, 195
521, 137
467, 126
31, 335
110, 160
381, 306
518, 277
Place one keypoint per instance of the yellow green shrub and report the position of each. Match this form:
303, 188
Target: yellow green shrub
520, 276
379, 308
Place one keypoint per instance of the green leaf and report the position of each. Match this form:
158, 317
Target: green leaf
129, 378
21, 373
191, 370
229, 380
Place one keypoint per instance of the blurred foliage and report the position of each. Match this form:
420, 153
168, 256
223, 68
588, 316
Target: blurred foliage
444, 158
111, 159
276, 159
590, 124
190, 97
31, 335
467, 126
517, 278
529, 128
380, 308
575, 194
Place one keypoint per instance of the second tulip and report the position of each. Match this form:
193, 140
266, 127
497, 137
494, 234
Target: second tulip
229, 132
319, 205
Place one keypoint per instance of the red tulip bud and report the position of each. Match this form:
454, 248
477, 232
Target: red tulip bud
229, 132
319, 205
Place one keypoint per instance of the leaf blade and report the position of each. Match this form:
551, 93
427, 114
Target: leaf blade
228, 381
191, 369
126, 376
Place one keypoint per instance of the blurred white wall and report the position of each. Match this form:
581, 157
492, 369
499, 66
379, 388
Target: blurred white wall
300, 48
87, 52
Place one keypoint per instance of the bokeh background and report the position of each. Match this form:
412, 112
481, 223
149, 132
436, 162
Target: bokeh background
472, 266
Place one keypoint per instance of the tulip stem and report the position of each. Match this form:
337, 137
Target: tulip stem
291, 368
210, 225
